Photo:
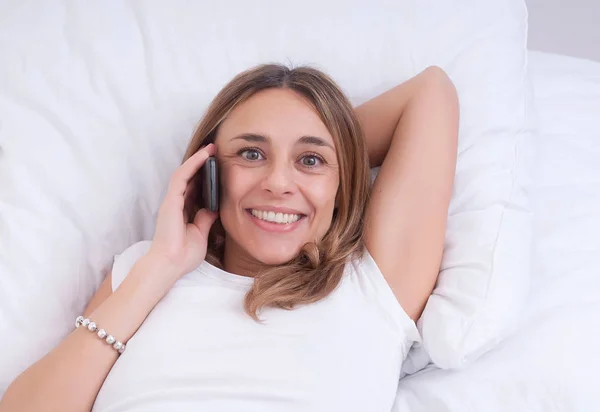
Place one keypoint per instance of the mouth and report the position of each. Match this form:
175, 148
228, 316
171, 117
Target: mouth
272, 221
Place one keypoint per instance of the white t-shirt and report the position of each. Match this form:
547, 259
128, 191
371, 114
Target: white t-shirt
199, 351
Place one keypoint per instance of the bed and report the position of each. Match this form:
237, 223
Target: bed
551, 361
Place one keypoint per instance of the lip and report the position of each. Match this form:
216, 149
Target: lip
277, 210
275, 227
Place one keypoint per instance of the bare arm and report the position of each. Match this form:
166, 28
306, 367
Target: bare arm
103, 293
49, 384
412, 132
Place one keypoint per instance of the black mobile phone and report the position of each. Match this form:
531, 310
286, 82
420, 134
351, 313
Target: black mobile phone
210, 184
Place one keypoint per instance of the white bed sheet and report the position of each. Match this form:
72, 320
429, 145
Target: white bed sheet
551, 362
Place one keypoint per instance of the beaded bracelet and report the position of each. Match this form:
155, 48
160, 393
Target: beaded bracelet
101, 333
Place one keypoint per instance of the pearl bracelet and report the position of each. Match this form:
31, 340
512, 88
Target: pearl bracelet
101, 333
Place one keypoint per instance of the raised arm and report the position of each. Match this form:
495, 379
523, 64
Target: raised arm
411, 132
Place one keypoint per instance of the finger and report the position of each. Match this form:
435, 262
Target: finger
204, 220
185, 172
186, 217
191, 189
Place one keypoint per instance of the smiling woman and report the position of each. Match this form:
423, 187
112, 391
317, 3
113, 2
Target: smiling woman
288, 142
338, 275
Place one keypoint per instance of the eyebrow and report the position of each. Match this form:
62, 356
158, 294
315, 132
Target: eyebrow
257, 138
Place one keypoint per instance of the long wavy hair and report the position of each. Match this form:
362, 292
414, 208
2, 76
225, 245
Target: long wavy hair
318, 268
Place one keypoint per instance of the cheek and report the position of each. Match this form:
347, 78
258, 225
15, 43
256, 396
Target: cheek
321, 192
235, 183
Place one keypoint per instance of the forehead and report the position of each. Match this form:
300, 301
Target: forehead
282, 114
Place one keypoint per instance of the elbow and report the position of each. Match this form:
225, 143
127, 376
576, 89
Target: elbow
438, 99
440, 89
436, 73
438, 79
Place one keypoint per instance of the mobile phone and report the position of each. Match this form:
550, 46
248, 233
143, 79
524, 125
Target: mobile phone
210, 184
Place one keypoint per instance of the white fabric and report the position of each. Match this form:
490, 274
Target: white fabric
98, 101
552, 362
199, 350
485, 270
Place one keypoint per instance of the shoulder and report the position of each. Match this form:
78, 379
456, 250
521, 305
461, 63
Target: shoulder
123, 262
365, 277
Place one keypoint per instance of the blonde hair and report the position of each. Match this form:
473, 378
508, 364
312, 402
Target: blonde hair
318, 268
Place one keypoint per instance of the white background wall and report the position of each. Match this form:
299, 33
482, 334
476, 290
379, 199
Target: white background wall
569, 27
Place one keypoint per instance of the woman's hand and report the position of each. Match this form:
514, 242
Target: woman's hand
177, 243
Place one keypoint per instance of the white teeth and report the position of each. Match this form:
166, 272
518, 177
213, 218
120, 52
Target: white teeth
282, 218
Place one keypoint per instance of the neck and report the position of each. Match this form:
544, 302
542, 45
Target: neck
236, 260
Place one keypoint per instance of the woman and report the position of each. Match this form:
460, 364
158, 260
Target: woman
303, 294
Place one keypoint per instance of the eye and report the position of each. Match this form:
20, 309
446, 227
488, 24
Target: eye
250, 154
311, 160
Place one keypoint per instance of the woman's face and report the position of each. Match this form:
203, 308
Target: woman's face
279, 177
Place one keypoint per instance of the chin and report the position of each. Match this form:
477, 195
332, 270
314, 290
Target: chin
274, 257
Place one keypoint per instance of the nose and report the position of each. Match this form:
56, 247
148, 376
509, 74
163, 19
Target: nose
279, 179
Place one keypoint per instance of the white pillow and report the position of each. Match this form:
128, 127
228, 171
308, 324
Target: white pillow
485, 272
98, 101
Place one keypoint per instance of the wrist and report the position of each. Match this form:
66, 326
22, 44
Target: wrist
153, 275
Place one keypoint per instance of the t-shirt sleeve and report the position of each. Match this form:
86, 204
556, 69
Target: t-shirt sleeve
124, 262
375, 288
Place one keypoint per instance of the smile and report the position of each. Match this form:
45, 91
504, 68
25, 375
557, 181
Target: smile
269, 216
275, 222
